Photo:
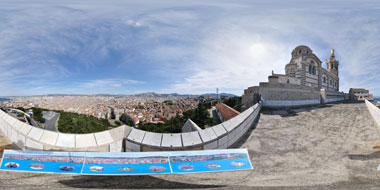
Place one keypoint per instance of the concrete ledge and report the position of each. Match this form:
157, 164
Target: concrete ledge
191, 139
152, 139
136, 135
66, 140
116, 146
85, 140
35, 133
374, 111
207, 135
103, 138
49, 137
171, 140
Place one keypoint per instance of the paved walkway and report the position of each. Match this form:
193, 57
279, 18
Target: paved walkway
312, 148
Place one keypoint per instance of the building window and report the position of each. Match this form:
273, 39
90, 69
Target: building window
299, 51
332, 66
292, 70
288, 81
307, 52
324, 79
314, 72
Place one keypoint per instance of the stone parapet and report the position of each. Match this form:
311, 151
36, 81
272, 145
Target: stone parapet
28, 137
374, 111
219, 136
125, 138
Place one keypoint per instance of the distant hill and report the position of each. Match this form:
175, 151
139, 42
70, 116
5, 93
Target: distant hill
220, 95
146, 95
152, 94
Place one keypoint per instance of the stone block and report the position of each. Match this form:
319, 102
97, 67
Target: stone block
117, 133
171, 140
35, 133
191, 139
145, 148
104, 148
219, 130
20, 141
223, 146
223, 140
127, 130
211, 145
49, 137
116, 146
12, 135
136, 135
85, 140
24, 128
207, 135
33, 145
103, 138
152, 139
66, 140
132, 147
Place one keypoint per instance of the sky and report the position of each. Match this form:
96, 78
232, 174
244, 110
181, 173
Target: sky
185, 47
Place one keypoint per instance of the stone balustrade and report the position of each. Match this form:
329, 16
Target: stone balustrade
125, 138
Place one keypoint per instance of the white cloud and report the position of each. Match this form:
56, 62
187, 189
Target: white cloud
109, 83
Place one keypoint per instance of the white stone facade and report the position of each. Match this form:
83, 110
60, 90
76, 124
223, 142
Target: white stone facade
306, 69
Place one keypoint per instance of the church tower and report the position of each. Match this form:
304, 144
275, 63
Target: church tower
332, 64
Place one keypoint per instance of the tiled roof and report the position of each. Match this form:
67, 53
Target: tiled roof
226, 111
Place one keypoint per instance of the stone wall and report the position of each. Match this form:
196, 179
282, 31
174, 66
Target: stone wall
374, 111
125, 138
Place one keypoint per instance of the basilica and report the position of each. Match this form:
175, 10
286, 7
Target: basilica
305, 69
305, 82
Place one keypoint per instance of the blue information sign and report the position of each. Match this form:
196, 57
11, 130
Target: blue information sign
126, 163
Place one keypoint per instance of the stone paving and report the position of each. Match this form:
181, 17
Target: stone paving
328, 147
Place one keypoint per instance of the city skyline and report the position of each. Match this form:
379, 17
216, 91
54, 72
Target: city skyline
91, 47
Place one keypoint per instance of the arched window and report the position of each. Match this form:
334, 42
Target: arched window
324, 79
292, 70
332, 66
310, 69
299, 51
314, 72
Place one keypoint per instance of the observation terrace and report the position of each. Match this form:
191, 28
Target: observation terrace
320, 147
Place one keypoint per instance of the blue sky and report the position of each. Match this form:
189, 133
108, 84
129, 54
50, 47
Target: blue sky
127, 47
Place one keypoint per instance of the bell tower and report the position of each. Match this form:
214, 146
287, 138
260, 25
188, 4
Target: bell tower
332, 64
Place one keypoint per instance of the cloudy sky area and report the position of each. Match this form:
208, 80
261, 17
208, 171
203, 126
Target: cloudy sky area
127, 47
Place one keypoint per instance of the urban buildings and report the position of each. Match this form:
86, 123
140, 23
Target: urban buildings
360, 94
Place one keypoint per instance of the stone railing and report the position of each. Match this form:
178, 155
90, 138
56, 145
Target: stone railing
28, 137
219, 136
125, 138
374, 111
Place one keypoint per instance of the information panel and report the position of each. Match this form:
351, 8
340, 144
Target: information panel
126, 163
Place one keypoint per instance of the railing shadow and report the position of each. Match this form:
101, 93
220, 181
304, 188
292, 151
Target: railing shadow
129, 182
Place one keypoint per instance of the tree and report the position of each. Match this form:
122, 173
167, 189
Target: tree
126, 119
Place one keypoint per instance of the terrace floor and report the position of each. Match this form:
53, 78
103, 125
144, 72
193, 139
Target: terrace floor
328, 147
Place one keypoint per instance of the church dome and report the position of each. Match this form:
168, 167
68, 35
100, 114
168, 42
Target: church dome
301, 50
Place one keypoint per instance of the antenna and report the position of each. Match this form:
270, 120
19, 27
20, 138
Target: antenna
217, 94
